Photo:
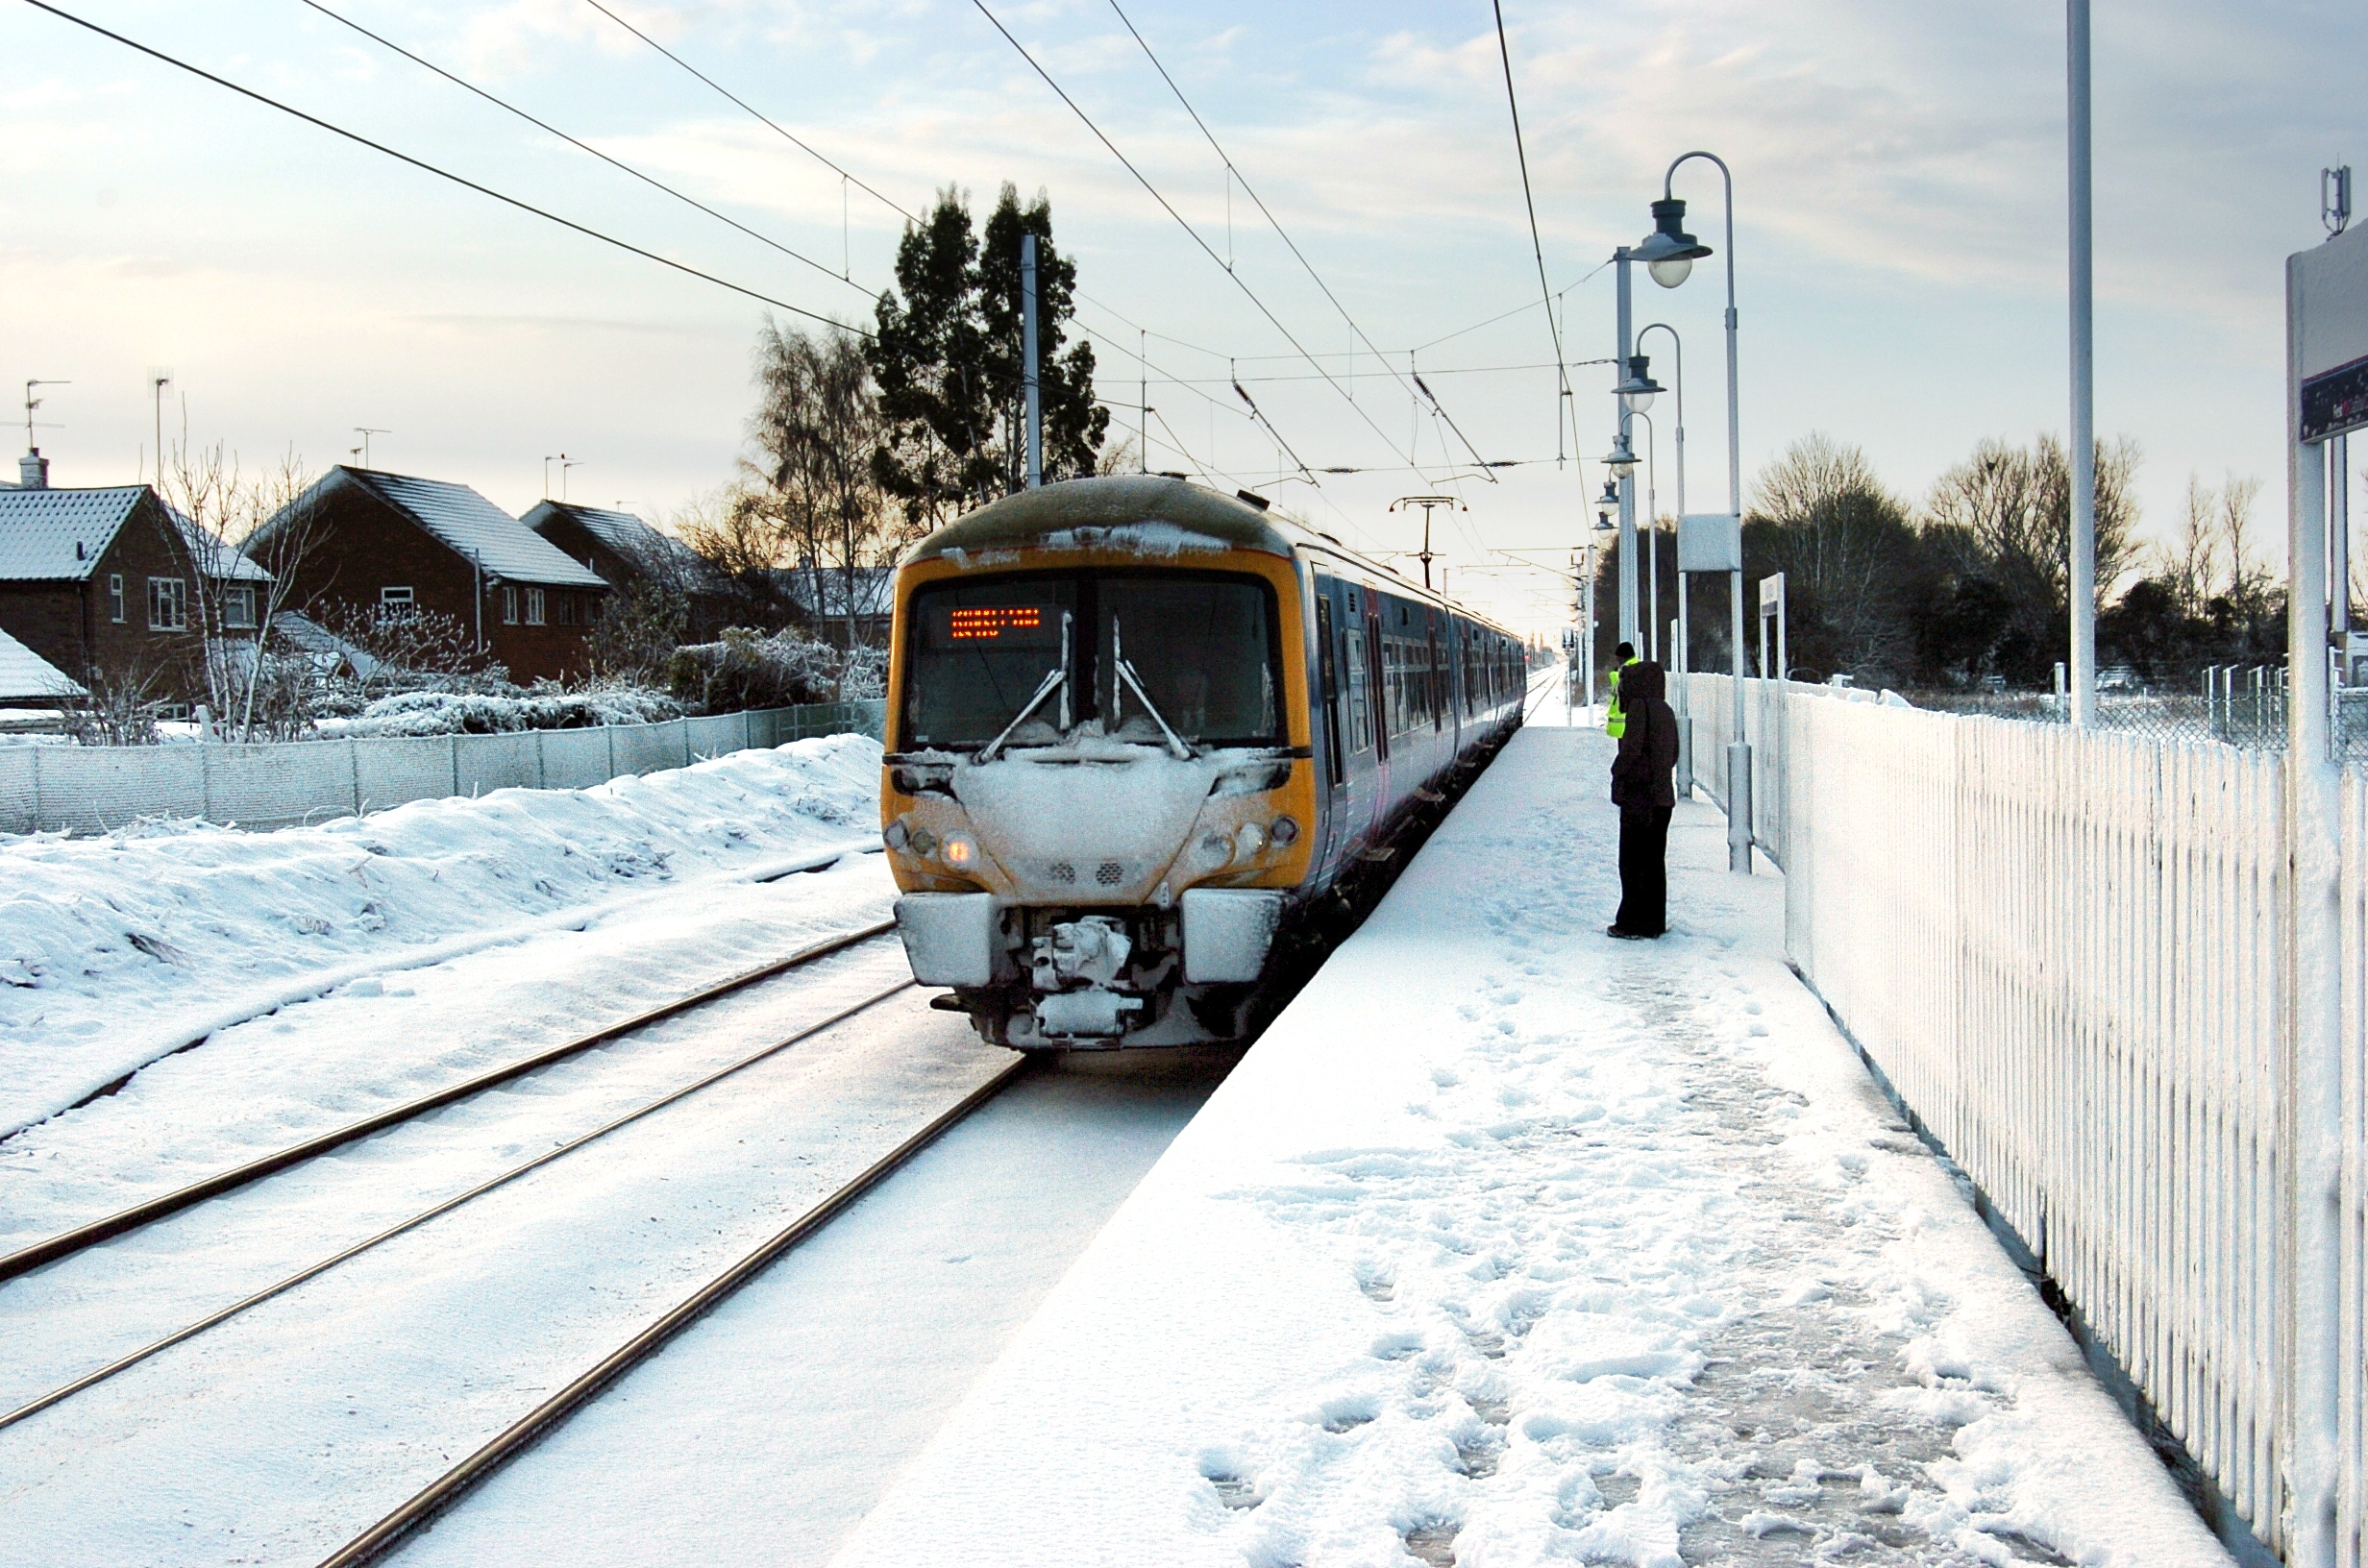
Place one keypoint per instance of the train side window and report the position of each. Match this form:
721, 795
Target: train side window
1359, 695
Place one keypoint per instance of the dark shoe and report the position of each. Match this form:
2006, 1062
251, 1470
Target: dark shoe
1622, 933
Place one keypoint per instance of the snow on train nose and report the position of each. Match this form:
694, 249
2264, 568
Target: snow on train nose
1096, 831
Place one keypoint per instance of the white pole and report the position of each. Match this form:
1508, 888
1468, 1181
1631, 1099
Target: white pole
1627, 481
1027, 353
2312, 1119
2084, 584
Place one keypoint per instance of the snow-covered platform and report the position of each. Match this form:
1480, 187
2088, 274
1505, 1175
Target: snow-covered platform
1509, 1244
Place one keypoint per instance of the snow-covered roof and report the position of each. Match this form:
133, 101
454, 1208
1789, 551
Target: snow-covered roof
471, 525
23, 674
324, 648
628, 535
39, 529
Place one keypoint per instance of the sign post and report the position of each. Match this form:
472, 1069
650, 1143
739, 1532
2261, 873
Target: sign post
1772, 605
1713, 542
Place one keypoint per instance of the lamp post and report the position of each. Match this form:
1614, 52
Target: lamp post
1603, 526
1676, 662
1669, 253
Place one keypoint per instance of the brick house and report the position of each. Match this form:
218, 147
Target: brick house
377, 543
108, 583
624, 550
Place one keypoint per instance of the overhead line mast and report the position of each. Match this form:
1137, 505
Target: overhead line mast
427, 167
1545, 290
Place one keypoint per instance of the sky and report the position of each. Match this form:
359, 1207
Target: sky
1899, 228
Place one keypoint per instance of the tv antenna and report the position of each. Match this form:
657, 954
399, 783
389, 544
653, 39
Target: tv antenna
32, 403
366, 432
2335, 199
565, 463
1427, 502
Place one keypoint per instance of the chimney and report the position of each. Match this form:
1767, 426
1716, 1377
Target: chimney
32, 471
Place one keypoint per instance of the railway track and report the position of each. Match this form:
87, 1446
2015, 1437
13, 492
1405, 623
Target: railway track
423, 1507
69, 1243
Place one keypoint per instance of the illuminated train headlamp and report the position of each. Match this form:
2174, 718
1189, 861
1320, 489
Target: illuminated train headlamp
957, 851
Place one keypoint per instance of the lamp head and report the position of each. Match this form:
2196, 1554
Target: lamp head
1635, 389
1610, 493
1669, 253
1620, 461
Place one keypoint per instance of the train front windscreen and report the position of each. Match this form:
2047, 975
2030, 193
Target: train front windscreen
1139, 655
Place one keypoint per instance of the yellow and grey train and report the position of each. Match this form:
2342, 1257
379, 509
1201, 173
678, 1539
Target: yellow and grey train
1137, 730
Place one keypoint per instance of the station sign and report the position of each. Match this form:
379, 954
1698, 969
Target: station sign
2327, 315
1710, 542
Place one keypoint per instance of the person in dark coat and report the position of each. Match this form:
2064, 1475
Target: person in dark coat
1645, 795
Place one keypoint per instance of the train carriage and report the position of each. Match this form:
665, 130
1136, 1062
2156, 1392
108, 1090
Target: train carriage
1137, 730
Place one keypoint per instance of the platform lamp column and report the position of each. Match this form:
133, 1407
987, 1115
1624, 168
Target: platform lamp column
1622, 461
1669, 253
1027, 361
1677, 650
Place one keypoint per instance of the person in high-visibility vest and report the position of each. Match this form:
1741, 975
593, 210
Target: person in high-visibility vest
1643, 789
1614, 717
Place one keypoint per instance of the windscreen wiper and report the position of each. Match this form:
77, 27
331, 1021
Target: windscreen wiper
1127, 672
1055, 679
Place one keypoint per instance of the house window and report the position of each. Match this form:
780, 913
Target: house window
535, 606
114, 597
509, 607
567, 609
239, 606
396, 598
169, 604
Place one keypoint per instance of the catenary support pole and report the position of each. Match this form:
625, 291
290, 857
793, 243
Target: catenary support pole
1028, 352
2083, 585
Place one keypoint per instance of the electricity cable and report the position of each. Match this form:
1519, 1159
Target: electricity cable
1168, 207
441, 173
1545, 290
545, 125
777, 130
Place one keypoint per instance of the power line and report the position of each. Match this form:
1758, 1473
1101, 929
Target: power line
440, 173
1545, 290
544, 125
786, 136
1248, 292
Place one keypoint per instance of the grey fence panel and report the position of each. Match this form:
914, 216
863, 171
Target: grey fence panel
719, 735
90, 789
20, 789
266, 785
574, 759
648, 749
391, 769
485, 763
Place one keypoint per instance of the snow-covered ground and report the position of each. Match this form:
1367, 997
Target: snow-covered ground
766, 1433
116, 951
1509, 1244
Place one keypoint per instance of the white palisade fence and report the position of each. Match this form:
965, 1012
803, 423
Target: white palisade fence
82, 789
2070, 954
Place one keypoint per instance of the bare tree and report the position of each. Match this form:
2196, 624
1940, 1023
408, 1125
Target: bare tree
1844, 544
2187, 565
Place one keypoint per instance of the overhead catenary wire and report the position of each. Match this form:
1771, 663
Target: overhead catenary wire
1168, 207
794, 140
1529, 201
441, 173
838, 274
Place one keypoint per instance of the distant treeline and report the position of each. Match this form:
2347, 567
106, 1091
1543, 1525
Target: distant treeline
1974, 583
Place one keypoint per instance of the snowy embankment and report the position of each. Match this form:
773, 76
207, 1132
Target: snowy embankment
119, 951
1509, 1244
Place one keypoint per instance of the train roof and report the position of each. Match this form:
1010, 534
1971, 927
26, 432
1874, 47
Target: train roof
1151, 514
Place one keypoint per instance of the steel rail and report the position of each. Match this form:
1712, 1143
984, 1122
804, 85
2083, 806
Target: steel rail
450, 1487
67, 1244
122, 1363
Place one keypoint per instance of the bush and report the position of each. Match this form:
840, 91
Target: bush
477, 713
743, 670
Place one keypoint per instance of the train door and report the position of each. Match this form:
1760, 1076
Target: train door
1379, 708
1339, 728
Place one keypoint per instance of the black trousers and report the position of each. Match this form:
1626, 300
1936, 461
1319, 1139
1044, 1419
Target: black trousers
1643, 869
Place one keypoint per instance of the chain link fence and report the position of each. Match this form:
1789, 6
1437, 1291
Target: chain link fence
92, 789
2240, 705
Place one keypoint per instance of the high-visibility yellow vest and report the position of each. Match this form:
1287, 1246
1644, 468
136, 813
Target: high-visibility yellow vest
1614, 717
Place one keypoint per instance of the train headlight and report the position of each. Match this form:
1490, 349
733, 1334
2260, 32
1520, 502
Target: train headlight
1251, 838
922, 841
1284, 833
897, 834
1216, 848
958, 851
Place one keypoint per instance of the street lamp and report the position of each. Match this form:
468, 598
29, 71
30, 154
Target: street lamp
1669, 253
1637, 388
1651, 640
1677, 650
1621, 462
